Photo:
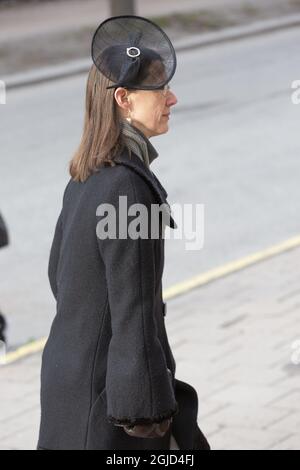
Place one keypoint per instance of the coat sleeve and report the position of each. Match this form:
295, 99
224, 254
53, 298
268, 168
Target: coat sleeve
56, 248
54, 256
139, 386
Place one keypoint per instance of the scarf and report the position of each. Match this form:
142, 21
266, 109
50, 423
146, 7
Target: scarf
138, 143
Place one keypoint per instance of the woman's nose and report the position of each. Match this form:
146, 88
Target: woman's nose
172, 100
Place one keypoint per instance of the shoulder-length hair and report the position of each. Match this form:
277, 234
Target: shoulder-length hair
102, 138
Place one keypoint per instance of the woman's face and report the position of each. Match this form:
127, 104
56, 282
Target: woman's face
149, 109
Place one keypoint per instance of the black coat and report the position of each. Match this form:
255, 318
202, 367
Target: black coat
108, 361
3, 233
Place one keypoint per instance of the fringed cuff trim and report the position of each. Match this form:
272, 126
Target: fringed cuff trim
136, 421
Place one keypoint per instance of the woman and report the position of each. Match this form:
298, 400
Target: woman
108, 373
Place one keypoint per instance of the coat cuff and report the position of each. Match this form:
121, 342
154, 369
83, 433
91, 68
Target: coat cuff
140, 421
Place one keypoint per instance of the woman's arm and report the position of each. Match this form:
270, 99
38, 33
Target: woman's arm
139, 388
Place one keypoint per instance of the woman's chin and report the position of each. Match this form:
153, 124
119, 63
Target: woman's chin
165, 126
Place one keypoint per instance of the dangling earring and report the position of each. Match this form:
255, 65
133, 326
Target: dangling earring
129, 118
129, 113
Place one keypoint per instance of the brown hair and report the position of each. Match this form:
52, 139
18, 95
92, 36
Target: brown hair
102, 137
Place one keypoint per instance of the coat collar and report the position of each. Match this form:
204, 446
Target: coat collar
139, 167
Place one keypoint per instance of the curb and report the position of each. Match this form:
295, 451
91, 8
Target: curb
82, 66
179, 289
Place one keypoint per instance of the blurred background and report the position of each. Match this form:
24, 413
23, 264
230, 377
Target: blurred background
233, 145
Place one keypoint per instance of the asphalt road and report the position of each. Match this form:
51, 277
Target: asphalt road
233, 146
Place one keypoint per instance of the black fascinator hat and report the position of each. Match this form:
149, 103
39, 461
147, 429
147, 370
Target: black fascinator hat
133, 52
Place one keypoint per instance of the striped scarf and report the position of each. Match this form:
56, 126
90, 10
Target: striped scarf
138, 143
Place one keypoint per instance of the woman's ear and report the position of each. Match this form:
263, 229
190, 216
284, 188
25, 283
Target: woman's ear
121, 97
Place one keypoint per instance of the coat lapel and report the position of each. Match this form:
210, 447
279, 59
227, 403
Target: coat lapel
135, 164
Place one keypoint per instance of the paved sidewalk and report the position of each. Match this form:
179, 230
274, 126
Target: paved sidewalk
232, 340
52, 16
40, 35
